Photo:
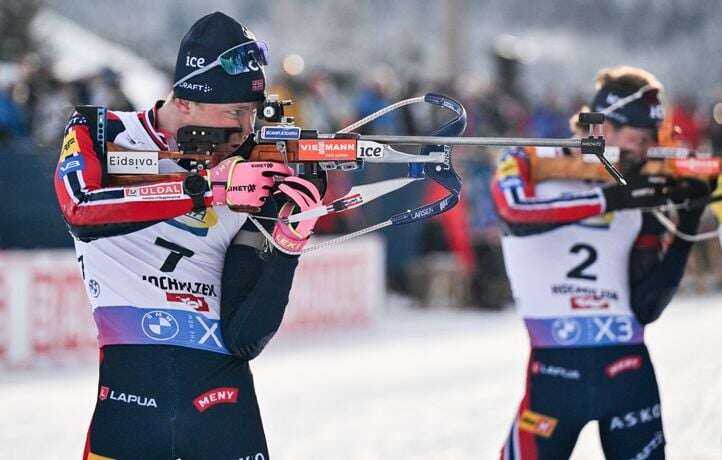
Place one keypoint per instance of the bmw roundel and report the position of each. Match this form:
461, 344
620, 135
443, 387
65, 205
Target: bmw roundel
566, 331
159, 325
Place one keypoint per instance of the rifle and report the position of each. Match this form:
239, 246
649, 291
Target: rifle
312, 154
670, 162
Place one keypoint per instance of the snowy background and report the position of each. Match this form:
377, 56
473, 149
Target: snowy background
435, 384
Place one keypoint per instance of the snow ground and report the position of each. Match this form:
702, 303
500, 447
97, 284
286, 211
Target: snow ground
419, 384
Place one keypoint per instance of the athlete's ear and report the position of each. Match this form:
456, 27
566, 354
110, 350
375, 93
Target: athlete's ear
183, 106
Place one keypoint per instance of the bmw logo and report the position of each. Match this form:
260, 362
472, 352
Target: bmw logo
94, 288
566, 331
159, 325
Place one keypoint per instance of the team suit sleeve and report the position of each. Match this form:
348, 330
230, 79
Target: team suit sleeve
655, 274
94, 210
524, 213
254, 292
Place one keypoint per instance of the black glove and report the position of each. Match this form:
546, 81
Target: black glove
641, 192
688, 190
693, 195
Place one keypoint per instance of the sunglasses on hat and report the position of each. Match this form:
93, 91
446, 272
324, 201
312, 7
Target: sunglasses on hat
246, 57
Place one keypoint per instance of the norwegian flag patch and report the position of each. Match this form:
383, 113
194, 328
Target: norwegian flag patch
257, 85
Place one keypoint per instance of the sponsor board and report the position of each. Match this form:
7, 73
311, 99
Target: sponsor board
45, 319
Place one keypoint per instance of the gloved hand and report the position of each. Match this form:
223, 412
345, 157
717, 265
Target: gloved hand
641, 192
299, 195
693, 194
689, 189
244, 185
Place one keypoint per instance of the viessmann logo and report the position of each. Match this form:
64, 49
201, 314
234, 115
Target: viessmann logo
327, 149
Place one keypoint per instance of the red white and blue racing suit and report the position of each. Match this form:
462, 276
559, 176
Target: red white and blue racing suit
586, 282
182, 300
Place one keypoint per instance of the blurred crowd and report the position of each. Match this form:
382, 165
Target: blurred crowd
455, 258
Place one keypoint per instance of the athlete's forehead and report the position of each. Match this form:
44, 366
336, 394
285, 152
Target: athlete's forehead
231, 106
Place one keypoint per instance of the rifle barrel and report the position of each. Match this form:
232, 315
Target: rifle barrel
485, 141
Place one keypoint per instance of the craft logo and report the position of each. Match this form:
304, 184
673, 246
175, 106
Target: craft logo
223, 395
656, 441
327, 149
103, 394
196, 87
538, 424
159, 325
624, 364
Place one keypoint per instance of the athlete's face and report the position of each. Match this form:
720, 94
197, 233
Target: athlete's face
238, 115
631, 141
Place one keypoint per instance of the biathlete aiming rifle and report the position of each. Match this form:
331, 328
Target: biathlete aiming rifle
312, 154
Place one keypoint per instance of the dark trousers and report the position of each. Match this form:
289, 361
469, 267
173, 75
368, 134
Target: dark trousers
168, 402
568, 387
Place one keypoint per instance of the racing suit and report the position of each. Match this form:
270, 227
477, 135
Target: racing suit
586, 282
182, 300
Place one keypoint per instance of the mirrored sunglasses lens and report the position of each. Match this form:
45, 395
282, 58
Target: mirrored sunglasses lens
245, 58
